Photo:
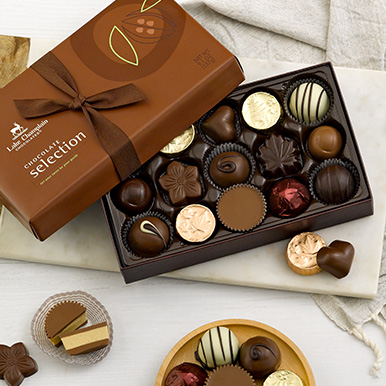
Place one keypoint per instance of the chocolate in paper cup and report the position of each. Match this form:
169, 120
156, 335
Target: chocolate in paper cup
311, 100
128, 225
334, 181
206, 138
210, 155
96, 313
241, 208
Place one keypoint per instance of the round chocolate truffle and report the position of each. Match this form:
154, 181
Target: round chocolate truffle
279, 157
325, 142
260, 356
309, 102
148, 237
219, 127
186, 374
229, 168
230, 375
132, 196
217, 347
288, 198
334, 184
241, 207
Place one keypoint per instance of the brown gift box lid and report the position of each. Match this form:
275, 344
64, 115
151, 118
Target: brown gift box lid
53, 166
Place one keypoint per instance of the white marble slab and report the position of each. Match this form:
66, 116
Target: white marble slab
85, 241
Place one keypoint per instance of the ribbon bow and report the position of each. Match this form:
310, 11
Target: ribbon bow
113, 139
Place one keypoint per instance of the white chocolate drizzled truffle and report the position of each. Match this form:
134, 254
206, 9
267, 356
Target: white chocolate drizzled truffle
217, 347
309, 102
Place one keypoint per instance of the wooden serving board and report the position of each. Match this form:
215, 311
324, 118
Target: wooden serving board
292, 358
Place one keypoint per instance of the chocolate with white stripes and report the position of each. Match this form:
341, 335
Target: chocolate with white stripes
309, 102
217, 347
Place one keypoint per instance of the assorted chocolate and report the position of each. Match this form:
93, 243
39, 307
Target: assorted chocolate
225, 363
16, 364
275, 157
308, 254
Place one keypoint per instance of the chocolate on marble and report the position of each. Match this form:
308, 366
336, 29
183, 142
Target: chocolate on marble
337, 258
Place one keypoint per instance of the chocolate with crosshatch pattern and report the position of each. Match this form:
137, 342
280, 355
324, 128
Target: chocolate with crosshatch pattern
224, 242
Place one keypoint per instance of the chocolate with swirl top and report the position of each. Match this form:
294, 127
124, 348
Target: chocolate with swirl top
260, 356
229, 168
148, 237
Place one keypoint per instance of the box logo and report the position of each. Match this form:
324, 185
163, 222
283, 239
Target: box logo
22, 136
17, 131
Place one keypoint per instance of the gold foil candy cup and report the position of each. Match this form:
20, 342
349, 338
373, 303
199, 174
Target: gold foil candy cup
128, 224
180, 143
241, 208
261, 111
302, 251
283, 378
96, 313
230, 375
195, 223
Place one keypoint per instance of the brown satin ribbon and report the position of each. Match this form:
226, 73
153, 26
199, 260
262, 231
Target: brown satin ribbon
116, 143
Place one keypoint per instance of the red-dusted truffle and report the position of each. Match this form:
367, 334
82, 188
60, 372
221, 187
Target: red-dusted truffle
186, 374
288, 198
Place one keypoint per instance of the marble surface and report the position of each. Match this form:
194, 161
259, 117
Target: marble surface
85, 241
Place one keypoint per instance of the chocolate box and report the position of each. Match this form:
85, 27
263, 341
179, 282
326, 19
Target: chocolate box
101, 104
288, 140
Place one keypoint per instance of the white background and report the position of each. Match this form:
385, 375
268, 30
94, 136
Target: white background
149, 317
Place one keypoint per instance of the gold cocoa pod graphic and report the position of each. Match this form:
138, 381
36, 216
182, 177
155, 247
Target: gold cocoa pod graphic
126, 51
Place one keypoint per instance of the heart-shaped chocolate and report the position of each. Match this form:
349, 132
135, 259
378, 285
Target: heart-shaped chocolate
219, 126
337, 258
